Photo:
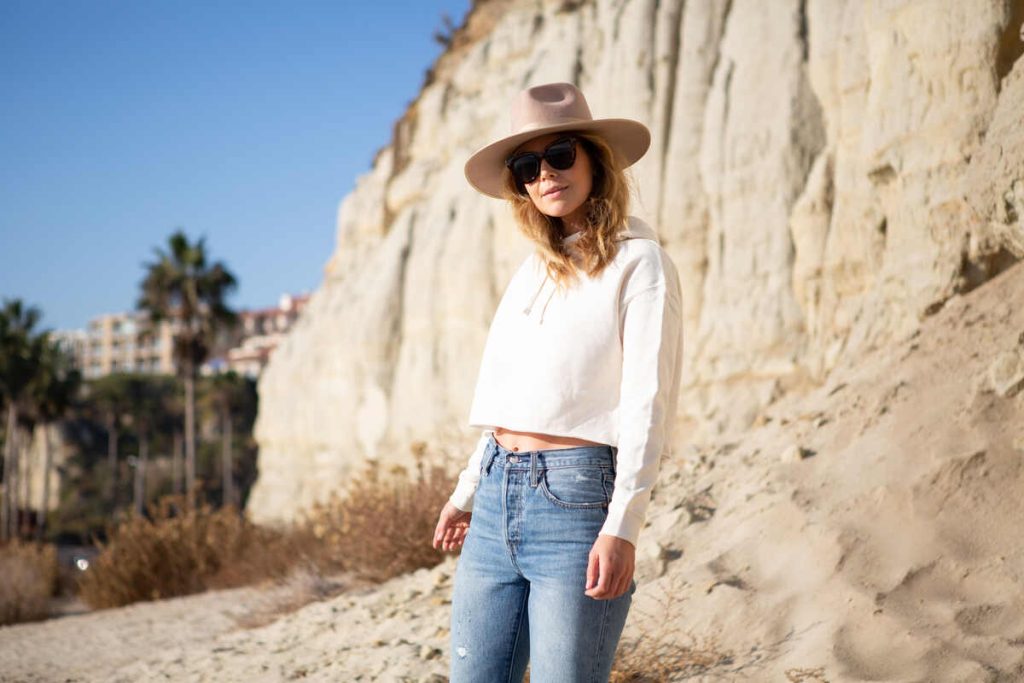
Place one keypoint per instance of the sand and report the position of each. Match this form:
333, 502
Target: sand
867, 530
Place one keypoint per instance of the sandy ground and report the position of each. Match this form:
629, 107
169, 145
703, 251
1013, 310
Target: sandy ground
870, 530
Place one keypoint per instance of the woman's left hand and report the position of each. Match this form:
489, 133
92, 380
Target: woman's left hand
610, 568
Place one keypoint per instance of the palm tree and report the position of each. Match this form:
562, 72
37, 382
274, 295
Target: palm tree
148, 397
172, 414
180, 286
20, 351
52, 390
225, 395
109, 396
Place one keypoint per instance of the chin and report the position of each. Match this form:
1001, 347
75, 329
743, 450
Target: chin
560, 210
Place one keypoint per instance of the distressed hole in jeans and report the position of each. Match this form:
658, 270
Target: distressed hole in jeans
462, 652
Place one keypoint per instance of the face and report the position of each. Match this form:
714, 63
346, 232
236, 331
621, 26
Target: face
559, 193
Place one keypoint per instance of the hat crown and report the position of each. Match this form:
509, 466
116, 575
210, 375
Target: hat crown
548, 105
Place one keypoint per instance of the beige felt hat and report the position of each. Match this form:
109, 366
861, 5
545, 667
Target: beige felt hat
550, 108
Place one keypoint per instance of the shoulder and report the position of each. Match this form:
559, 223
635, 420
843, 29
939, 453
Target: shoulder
644, 262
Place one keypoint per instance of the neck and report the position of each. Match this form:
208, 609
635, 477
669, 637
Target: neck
571, 225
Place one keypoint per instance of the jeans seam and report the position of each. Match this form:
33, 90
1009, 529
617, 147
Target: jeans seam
519, 632
600, 640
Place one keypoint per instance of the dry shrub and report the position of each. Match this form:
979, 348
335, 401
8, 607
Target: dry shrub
301, 587
28, 575
816, 675
667, 652
664, 654
379, 528
177, 552
382, 525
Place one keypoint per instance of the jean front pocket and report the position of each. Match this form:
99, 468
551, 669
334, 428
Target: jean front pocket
578, 486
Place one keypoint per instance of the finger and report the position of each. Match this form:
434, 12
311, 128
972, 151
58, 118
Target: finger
599, 585
592, 571
605, 579
445, 535
620, 587
439, 533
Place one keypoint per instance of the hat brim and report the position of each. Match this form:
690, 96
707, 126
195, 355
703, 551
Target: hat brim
485, 169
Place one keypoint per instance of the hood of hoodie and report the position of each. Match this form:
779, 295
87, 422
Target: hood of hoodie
635, 228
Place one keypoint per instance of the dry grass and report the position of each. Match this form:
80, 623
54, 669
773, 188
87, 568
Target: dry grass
300, 588
381, 527
28, 576
666, 653
178, 552
816, 675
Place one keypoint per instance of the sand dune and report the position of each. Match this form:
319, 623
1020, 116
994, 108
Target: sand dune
868, 530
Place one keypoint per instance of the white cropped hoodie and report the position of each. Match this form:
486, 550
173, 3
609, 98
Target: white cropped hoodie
600, 361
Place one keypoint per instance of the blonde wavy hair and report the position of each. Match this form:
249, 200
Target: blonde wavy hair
607, 210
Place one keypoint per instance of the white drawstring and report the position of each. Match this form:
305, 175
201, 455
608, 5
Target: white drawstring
529, 306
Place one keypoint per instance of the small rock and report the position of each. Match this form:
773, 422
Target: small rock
795, 454
1006, 374
428, 652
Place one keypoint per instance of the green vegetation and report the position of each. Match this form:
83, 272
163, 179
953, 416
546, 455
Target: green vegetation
181, 286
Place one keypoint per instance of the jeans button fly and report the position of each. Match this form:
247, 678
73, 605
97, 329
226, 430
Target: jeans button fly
513, 458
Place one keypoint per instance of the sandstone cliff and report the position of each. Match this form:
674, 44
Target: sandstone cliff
825, 173
868, 530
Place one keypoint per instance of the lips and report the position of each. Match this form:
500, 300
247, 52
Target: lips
555, 189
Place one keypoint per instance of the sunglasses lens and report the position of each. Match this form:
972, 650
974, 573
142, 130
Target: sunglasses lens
561, 155
526, 168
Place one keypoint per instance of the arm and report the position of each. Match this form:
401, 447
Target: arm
462, 497
651, 363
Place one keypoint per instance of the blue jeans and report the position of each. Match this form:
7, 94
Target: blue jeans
519, 580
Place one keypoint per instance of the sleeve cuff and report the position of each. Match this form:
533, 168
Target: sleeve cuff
469, 478
462, 498
622, 524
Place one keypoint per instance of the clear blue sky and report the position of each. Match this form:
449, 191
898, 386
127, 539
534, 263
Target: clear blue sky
245, 121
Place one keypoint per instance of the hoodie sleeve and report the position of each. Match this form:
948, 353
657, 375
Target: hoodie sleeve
651, 324
462, 497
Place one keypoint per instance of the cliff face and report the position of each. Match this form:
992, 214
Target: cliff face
825, 174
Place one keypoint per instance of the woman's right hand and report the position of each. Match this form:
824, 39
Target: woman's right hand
452, 527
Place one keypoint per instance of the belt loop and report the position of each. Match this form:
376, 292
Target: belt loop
533, 468
489, 456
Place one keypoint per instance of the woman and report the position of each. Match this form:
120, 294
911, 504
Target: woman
575, 397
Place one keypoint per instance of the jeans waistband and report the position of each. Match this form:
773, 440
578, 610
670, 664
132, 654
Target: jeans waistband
496, 454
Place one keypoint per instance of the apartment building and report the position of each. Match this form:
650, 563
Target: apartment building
128, 342
120, 342
261, 331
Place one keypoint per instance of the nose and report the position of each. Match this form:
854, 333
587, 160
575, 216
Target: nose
546, 170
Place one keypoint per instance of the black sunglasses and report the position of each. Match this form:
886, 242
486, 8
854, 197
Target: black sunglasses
525, 167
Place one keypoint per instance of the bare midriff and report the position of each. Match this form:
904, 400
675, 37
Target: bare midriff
532, 441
